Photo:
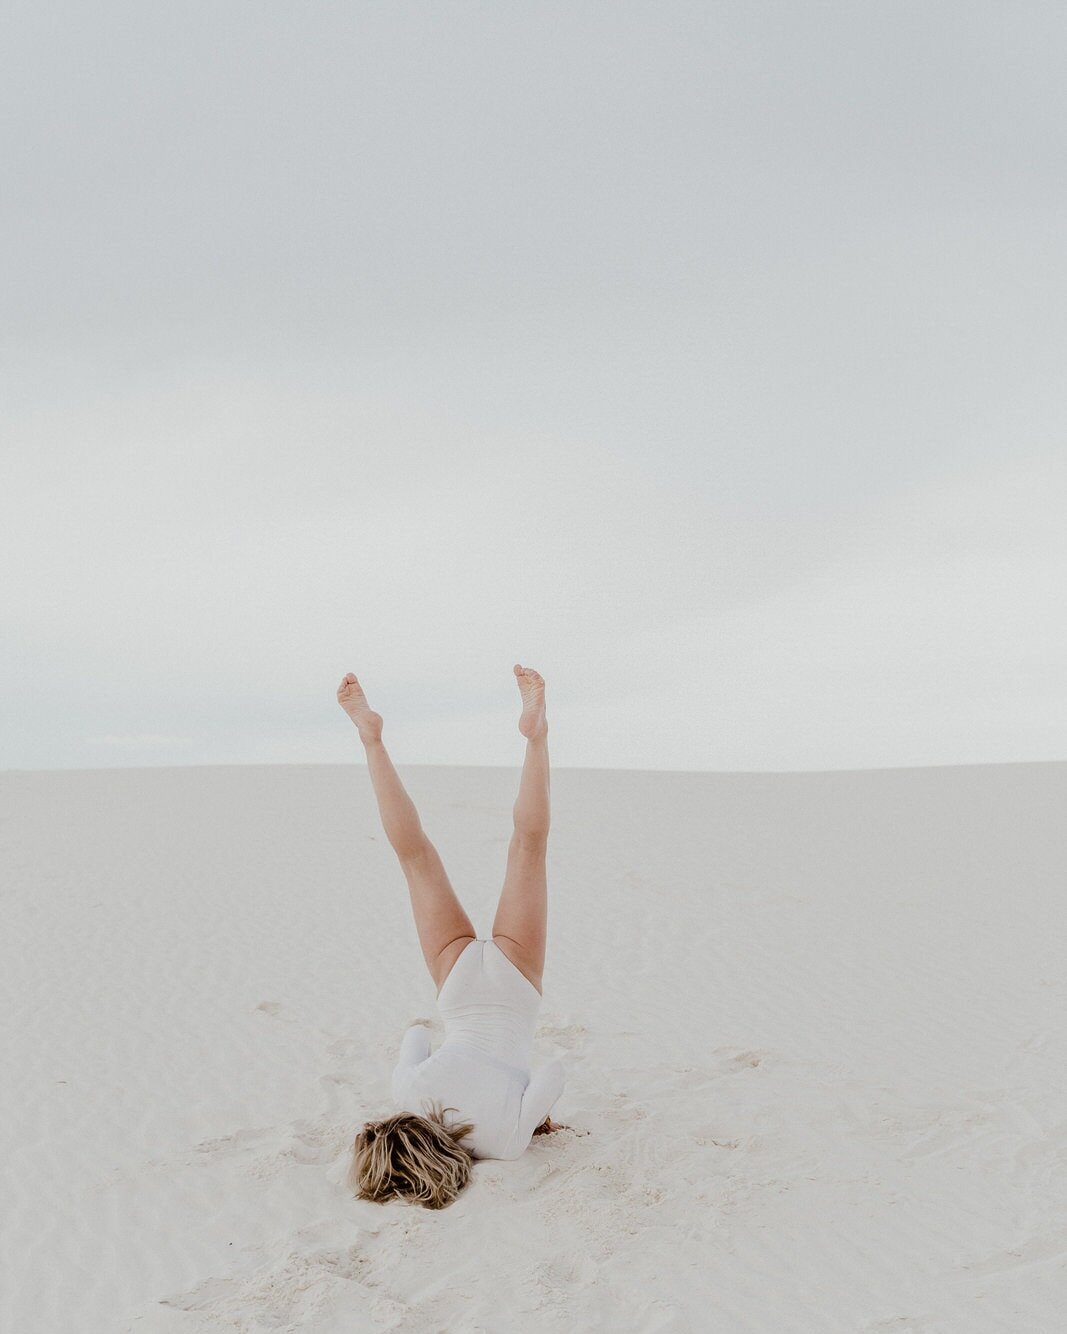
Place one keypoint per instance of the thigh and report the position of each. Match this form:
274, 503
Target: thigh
447, 960
521, 921
441, 921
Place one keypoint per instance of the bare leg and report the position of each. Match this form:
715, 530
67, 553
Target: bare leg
521, 921
440, 919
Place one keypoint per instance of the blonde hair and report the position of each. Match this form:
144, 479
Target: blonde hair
411, 1157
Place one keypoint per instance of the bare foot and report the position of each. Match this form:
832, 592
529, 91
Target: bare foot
351, 698
532, 722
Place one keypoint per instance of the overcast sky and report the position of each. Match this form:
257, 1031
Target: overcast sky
707, 357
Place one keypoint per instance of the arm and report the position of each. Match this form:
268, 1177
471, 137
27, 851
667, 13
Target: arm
414, 1048
540, 1097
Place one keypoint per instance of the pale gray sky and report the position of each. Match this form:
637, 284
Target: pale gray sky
706, 357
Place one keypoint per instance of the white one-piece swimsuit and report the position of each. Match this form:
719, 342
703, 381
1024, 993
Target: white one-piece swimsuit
482, 1068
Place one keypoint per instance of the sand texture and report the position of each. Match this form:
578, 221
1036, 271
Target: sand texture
814, 1026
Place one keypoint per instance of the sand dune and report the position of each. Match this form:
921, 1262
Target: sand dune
813, 1025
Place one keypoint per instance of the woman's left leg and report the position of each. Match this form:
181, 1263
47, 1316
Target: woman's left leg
440, 919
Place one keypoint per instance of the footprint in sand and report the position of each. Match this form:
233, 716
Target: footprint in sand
275, 1295
569, 1036
737, 1058
235, 1143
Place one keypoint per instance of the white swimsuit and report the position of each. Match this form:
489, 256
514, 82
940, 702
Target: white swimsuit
482, 1068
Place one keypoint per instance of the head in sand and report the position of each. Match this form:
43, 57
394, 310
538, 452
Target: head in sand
425, 1156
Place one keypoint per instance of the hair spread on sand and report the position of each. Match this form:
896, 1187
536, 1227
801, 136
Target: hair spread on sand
412, 1157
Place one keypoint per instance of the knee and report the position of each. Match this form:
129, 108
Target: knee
413, 851
530, 838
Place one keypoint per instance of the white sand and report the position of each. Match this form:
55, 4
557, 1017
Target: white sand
814, 1027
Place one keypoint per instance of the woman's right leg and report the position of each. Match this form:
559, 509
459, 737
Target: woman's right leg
440, 919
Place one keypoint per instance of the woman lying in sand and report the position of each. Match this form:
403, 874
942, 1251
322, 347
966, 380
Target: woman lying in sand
488, 991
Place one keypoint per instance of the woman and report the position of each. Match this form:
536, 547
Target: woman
488, 991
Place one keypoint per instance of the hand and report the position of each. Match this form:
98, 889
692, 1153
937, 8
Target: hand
548, 1125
